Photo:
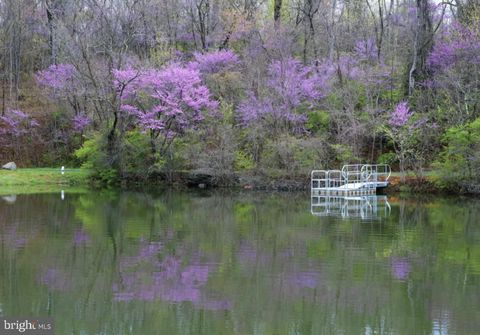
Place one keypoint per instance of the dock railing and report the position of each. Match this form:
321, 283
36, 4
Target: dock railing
353, 179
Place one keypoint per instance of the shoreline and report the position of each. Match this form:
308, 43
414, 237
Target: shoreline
414, 185
45, 177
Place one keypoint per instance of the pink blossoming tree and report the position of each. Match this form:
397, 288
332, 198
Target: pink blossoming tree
61, 83
16, 130
213, 62
399, 133
164, 103
289, 87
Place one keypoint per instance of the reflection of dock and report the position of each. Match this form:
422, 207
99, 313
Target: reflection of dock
351, 180
363, 207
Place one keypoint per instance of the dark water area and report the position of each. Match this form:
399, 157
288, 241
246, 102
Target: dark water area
240, 263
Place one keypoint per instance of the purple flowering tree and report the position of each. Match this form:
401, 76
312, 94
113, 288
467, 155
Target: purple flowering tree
366, 49
399, 133
400, 116
455, 66
220, 71
291, 89
164, 103
61, 83
58, 78
214, 62
16, 128
80, 122
276, 106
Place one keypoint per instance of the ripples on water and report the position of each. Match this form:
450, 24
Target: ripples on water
241, 263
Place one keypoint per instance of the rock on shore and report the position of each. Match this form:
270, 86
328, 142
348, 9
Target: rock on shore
10, 166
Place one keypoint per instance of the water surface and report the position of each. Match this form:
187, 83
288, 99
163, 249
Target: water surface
239, 263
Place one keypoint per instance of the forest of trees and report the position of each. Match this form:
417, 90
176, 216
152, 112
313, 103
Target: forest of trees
147, 87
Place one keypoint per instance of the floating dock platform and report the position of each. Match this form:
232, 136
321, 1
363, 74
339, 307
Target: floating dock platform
351, 191
351, 180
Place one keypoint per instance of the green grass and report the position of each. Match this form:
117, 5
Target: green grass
42, 176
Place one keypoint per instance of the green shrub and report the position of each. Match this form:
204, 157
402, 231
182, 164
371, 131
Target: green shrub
310, 154
106, 176
93, 156
387, 158
89, 153
243, 161
460, 158
343, 154
294, 155
136, 153
318, 121
174, 159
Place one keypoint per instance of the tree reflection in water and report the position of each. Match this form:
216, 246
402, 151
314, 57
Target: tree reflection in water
182, 263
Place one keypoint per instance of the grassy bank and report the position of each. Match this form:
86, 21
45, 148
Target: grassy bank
43, 176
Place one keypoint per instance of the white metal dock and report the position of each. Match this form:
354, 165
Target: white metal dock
351, 180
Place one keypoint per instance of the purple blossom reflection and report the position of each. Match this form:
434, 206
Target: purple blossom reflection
16, 239
249, 256
55, 280
215, 305
150, 250
150, 275
20, 243
123, 296
400, 268
165, 281
180, 293
303, 279
80, 237
246, 254
195, 275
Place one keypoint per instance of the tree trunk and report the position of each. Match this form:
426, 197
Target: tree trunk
277, 11
51, 32
423, 43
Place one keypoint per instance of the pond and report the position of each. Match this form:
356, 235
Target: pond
171, 262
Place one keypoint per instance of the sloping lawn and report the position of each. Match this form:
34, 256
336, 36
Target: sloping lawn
43, 176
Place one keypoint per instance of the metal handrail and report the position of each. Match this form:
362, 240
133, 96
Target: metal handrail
352, 173
335, 178
317, 179
361, 175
